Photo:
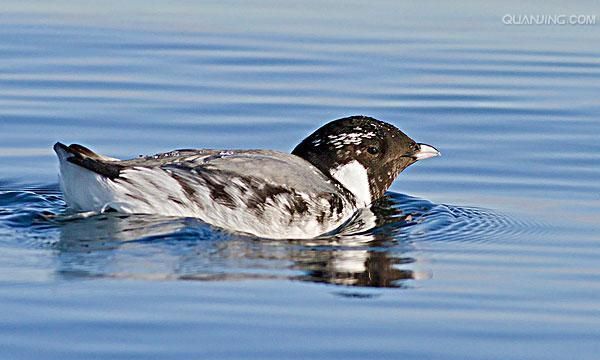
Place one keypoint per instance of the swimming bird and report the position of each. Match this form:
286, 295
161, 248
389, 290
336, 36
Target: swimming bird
340, 168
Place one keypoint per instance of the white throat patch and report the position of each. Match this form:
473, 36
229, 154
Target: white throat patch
353, 176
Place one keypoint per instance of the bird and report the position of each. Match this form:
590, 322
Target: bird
343, 166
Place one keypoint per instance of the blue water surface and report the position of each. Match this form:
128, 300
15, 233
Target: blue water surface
489, 252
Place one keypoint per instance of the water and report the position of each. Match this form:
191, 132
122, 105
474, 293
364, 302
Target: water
489, 252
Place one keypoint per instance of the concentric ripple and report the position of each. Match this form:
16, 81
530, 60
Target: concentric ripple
451, 223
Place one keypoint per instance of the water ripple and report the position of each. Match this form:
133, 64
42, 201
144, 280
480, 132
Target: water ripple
156, 247
514, 109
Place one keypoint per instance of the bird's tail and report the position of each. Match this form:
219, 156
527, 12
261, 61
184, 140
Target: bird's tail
86, 158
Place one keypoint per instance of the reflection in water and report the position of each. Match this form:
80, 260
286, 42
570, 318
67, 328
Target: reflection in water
377, 248
356, 268
364, 253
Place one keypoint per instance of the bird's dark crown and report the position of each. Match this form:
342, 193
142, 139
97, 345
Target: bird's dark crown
380, 148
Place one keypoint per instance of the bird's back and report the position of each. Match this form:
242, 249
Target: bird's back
265, 193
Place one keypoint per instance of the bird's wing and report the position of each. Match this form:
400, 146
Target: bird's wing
274, 189
264, 166
258, 173
260, 166
267, 193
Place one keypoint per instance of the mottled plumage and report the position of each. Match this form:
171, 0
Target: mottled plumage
267, 193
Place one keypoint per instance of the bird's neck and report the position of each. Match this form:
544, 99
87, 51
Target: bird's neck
353, 176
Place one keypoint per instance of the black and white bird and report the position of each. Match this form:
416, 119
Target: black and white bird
340, 168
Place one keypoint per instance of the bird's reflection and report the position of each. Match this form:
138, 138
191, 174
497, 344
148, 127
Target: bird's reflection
368, 251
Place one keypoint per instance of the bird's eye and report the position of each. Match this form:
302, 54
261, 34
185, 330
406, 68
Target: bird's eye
372, 150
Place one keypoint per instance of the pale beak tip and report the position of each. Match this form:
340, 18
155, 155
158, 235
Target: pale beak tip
426, 152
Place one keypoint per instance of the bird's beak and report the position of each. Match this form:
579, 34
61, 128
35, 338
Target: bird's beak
425, 152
